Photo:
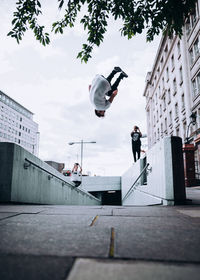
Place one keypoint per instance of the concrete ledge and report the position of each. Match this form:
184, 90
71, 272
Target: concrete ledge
22, 181
165, 179
101, 183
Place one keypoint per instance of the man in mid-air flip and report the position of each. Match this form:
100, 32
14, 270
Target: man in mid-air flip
101, 87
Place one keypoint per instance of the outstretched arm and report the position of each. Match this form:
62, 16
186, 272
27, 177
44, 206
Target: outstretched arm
113, 96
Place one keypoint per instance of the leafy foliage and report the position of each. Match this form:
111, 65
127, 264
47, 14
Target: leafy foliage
155, 15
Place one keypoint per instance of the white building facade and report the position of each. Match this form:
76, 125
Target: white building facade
172, 88
17, 125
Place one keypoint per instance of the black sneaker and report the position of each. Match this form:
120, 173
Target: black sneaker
124, 74
117, 69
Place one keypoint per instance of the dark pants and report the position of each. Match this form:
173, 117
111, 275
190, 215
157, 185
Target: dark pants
136, 150
116, 83
77, 183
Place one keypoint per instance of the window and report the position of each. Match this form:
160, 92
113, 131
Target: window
191, 55
177, 131
179, 49
170, 117
181, 74
196, 85
176, 110
163, 83
164, 103
165, 123
194, 16
160, 110
172, 62
184, 129
174, 86
161, 130
167, 73
194, 52
196, 48
182, 101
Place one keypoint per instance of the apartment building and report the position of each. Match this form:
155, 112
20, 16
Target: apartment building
17, 125
172, 88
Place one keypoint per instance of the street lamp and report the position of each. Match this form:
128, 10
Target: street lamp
193, 118
81, 143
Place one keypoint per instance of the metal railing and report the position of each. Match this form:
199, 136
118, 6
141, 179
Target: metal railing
133, 185
29, 163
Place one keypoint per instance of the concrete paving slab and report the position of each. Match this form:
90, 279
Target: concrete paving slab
191, 212
87, 269
54, 239
164, 241
55, 220
147, 211
144, 223
34, 267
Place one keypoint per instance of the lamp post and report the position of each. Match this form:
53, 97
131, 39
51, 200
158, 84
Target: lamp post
193, 118
81, 143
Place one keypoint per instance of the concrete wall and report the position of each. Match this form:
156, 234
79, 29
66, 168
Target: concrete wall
34, 185
101, 183
165, 181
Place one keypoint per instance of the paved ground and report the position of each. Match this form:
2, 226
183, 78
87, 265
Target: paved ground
100, 242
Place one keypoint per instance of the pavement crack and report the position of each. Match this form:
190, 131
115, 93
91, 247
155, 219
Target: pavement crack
94, 220
6, 218
112, 243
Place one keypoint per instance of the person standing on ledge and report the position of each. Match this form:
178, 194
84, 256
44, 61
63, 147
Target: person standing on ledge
136, 142
101, 87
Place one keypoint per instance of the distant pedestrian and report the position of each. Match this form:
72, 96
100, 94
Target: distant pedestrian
101, 87
76, 174
136, 142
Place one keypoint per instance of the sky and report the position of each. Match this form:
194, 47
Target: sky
50, 82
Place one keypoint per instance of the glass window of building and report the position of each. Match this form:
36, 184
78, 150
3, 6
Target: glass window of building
179, 48
181, 74
174, 86
183, 101
176, 110
172, 62
170, 117
169, 96
164, 103
196, 48
191, 55
167, 73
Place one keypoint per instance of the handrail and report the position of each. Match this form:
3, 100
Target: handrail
33, 163
132, 187
69, 183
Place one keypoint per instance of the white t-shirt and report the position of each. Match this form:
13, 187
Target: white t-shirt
99, 88
75, 176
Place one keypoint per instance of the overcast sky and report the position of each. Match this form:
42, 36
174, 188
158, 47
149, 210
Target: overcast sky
53, 84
